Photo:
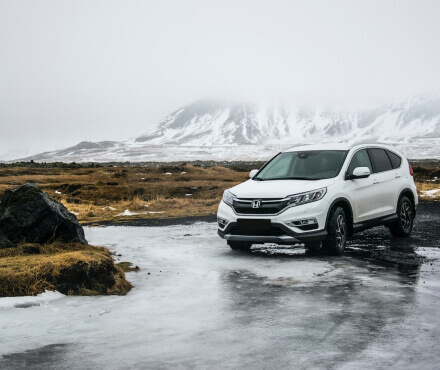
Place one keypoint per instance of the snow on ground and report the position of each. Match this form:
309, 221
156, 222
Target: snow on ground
430, 193
127, 212
25, 302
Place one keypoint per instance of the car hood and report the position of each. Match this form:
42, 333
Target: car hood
277, 188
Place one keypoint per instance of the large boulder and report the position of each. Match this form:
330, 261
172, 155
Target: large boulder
28, 214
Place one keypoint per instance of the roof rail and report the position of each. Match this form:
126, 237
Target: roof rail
366, 142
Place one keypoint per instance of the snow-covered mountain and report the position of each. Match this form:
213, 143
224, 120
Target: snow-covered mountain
210, 129
217, 123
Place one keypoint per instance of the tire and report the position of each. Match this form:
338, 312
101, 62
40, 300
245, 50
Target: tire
240, 246
337, 232
404, 224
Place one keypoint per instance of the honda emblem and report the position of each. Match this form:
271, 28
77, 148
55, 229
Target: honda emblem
256, 204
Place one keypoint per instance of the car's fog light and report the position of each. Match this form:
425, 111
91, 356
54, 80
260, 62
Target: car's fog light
306, 221
222, 222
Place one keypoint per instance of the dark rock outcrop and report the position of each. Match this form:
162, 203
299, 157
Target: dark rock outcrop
28, 214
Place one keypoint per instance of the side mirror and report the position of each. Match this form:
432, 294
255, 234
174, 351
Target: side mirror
253, 173
359, 173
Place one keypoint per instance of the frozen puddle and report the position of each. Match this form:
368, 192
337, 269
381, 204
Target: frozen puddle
197, 304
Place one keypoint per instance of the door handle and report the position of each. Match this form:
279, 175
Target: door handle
397, 176
375, 181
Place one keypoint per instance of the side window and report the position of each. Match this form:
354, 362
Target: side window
395, 159
381, 161
360, 159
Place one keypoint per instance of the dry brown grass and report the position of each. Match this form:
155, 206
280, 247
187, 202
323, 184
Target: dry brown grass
429, 190
103, 194
30, 269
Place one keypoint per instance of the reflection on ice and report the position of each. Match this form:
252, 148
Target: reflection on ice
197, 304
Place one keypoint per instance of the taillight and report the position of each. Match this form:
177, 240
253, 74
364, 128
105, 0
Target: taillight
411, 172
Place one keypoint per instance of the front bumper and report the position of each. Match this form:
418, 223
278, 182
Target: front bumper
285, 234
290, 237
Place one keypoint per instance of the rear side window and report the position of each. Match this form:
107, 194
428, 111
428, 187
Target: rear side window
360, 159
395, 159
380, 159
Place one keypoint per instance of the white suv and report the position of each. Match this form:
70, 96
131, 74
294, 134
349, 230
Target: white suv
320, 195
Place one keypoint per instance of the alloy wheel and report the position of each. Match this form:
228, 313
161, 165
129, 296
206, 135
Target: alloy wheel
340, 232
406, 216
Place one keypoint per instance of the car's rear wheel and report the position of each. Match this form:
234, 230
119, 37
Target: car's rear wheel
337, 232
405, 218
240, 246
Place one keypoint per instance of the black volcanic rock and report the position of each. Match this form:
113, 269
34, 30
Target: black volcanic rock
28, 214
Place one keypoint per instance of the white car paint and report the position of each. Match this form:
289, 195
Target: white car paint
370, 198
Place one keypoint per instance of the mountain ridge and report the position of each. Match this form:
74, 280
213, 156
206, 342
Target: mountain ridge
208, 126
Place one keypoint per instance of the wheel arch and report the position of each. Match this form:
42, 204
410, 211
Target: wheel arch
346, 206
407, 192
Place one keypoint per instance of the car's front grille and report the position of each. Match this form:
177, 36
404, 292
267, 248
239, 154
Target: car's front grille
266, 206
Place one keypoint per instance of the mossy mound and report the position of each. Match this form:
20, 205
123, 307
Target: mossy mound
75, 269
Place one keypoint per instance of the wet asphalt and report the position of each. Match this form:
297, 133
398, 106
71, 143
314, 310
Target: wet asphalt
197, 304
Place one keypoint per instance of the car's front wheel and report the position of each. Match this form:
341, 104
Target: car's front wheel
405, 218
337, 232
240, 246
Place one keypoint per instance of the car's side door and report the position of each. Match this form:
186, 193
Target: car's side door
366, 200
386, 181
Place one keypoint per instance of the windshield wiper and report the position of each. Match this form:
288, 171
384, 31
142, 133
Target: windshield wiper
283, 178
297, 178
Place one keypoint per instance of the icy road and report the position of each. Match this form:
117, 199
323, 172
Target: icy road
197, 304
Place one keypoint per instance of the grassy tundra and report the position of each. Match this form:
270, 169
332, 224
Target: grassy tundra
125, 192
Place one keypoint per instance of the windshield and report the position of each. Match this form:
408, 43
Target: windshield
307, 165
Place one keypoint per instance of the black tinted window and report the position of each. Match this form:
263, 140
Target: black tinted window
395, 159
360, 159
381, 161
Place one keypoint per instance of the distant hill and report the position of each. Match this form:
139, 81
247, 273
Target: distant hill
209, 129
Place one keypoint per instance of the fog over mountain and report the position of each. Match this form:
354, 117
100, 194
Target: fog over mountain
73, 71
224, 130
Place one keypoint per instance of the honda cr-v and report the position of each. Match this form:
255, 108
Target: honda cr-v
320, 195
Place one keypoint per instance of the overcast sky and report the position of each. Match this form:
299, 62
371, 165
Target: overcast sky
109, 70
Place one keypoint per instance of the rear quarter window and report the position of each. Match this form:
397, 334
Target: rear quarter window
380, 159
395, 159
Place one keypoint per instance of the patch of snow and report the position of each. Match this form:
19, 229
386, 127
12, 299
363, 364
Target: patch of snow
29, 301
167, 173
110, 208
57, 192
430, 193
188, 195
127, 212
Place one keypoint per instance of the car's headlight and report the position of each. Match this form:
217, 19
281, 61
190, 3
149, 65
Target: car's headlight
303, 198
228, 197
